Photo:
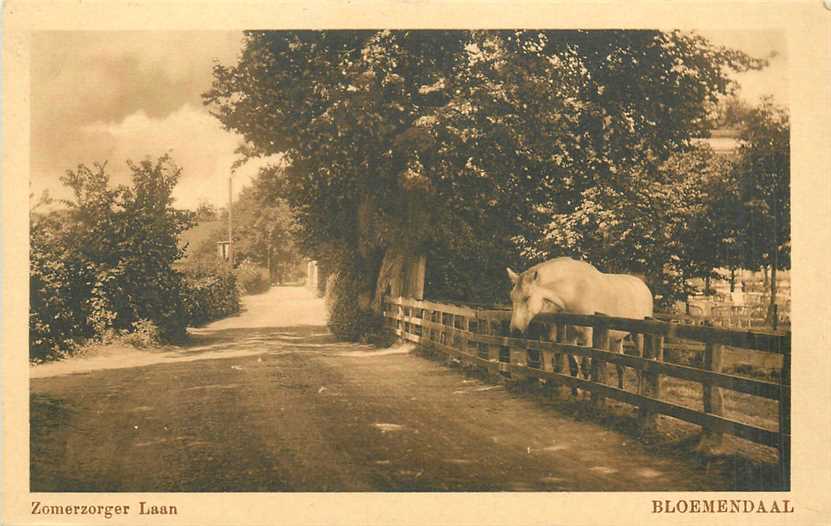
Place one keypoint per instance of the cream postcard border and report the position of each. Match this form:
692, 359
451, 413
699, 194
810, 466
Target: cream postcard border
807, 25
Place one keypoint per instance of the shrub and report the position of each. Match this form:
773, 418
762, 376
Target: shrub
252, 278
349, 319
210, 296
104, 266
144, 333
56, 292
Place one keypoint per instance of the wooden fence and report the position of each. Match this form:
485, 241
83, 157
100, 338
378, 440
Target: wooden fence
480, 337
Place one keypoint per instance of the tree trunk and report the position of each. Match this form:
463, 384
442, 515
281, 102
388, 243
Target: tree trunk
766, 283
707, 286
370, 267
389, 277
686, 295
732, 279
401, 274
415, 268
773, 314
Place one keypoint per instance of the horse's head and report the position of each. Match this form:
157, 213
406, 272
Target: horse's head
529, 298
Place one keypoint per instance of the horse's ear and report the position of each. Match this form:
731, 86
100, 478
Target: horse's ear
513, 275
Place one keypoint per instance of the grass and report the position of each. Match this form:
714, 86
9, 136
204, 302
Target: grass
741, 407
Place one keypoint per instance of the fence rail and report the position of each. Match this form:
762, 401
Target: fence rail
479, 337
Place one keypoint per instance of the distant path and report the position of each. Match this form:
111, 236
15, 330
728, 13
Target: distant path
269, 401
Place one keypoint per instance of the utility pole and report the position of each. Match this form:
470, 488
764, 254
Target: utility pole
269, 237
230, 223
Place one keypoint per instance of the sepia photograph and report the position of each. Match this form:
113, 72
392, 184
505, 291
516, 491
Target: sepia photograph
344, 260
282, 261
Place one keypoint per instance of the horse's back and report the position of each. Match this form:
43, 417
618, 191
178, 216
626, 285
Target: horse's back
618, 295
627, 296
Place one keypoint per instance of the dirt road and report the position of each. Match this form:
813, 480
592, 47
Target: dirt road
269, 401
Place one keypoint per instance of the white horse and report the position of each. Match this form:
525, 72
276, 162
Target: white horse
567, 285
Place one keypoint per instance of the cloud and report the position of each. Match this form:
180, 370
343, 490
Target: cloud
112, 95
89, 76
203, 150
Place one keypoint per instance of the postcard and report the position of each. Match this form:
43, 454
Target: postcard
414, 262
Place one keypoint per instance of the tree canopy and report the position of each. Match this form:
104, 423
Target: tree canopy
763, 172
464, 144
264, 228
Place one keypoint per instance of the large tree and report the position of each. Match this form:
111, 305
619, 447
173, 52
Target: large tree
702, 218
462, 144
763, 175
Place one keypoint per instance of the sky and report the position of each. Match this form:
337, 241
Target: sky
114, 96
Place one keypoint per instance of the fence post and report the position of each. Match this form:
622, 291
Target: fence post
482, 349
639, 342
493, 349
785, 416
558, 334
446, 338
426, 330
713, 399
435, 317
406, 313
547, 358
560, 360
464, 342
653, 349
518, 360
600, 340
457, 341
